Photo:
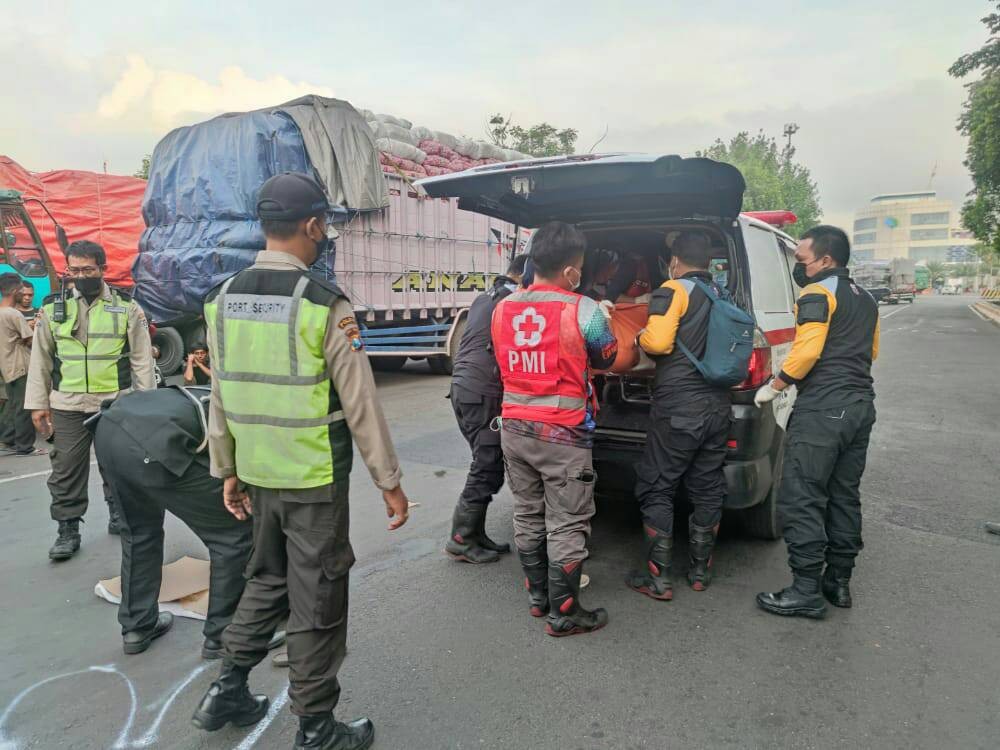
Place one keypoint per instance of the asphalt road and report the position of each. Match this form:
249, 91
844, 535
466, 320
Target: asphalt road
445, 655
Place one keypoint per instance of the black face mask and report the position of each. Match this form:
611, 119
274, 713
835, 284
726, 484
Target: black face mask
88, 286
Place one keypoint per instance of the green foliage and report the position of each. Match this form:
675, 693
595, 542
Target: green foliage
143, 171
937, 271
980, 122
538, 140
774, 179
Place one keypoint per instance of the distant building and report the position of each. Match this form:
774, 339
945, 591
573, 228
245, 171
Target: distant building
919, 226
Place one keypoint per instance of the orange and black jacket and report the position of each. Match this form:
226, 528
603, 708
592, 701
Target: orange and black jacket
674, 314
836, 341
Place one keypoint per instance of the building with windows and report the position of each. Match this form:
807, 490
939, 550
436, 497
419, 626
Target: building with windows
919, 226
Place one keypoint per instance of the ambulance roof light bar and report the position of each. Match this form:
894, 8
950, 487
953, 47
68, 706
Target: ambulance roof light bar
776, 219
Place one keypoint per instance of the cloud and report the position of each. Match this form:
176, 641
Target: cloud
153, 100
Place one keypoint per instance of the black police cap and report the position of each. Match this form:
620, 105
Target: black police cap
289, 197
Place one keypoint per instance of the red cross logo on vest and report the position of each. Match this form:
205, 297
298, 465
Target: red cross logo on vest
528, 327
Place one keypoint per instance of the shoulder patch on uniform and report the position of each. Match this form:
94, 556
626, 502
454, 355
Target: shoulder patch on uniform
659, 300
349, 321
813, 308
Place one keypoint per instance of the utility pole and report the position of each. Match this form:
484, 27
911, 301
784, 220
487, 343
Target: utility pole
791, 129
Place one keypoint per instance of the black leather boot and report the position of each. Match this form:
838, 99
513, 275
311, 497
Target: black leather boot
801, 599
114, 519
701, 542
212, 648
465, 544
837, 586
535, 563
326, 733
485, 542
656, 581
68, 540
137, 641
229, 700
566, 615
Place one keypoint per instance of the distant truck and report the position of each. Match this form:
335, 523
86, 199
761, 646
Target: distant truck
410, 264
21, 248
891, 281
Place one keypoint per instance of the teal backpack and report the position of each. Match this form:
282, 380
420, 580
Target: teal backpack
730, 339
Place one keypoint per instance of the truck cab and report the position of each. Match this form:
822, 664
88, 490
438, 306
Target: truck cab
633, 204
21, 248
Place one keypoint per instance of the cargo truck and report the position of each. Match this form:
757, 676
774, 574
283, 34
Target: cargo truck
411, 264
21, 248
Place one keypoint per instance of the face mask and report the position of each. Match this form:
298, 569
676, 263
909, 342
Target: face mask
664, 266
575, 285
88, 286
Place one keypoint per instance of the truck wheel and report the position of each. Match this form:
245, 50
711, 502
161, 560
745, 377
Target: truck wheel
171, 347
444, 365
387, 364
761, 521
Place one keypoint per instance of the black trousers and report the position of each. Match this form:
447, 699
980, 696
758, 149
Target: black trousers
144, 491
299, 568
20, 431
685, 443
474, 413
820, 497
70, 457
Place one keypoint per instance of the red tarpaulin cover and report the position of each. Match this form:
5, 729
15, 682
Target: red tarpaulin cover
103, 208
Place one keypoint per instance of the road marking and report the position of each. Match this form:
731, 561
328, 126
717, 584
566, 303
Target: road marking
894, 312
33, 474
978, 314
276, 705
150, 737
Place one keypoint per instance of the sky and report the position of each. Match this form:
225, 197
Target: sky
88, 84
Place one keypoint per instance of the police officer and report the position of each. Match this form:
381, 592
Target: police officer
88, 347
291, 387
475, 398
153, 447
836, 341
546, 339
688, 426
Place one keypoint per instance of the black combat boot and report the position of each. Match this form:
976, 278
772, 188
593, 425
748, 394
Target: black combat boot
485, 542
801, 599
137, 641
566, 615
535, 563
701, 541
229, 699
465, 544
837, 586
68, 541
326, 733
212, 648
114, 519
656, 580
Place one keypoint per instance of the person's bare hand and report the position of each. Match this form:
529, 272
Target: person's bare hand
42, 419
397, 507
236, 500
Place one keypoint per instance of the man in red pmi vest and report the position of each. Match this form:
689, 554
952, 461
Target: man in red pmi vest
546, 339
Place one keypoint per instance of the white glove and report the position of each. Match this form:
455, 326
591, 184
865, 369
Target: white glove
607, 307
765, 394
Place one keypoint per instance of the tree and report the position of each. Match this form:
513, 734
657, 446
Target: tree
143, 171
937, 271
538, 140
774, 179
980, 122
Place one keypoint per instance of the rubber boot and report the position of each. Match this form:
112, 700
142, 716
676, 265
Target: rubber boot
68, 542
701, 541
566, 615
229, 700
464, 544
801, 599
837, 586
485, 542
114, 519
326, 733
656, 581
535, 563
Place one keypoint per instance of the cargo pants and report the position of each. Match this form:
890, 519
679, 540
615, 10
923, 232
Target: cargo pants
475, 413
144, 490
70, 456
21, 430
299, 569
819, 501
553, 488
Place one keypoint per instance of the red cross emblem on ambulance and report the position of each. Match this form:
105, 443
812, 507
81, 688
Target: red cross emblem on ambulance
528, 327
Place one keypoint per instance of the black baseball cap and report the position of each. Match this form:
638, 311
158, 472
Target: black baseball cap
290, 196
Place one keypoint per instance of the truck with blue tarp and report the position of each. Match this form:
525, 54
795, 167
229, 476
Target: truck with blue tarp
410, 264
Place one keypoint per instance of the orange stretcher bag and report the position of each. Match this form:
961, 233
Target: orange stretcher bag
627, 319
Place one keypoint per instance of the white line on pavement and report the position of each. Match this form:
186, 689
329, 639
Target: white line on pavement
894, 312
33, 474
978, 314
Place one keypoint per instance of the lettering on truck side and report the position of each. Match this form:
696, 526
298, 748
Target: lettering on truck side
442, 281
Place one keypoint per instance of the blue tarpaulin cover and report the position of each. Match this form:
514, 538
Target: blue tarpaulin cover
200, 207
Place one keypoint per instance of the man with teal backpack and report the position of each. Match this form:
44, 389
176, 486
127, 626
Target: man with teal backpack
701, 344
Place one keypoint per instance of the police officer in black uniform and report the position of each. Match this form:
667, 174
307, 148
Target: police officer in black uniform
475, 396
151, 446
826, 446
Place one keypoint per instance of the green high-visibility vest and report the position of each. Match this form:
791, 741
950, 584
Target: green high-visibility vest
102, 366
267, 361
